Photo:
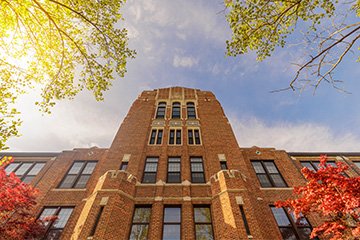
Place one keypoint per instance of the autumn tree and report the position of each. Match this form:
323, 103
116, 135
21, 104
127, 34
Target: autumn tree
60, 46
330, 30
332, 195
17, 202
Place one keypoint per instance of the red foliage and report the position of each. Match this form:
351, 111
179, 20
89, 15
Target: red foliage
17, 200
332, 195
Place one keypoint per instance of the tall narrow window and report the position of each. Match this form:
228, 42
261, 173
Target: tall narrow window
156, 136
124, 166
140, 223
268, 174
197, 170
150, 170
203, 224
243, 216
176, 110
289, 227
172, 223
78, 175
55, 228
174, 170
97, 220
161, 110
194, 137
26, 171
191, 114
175, 136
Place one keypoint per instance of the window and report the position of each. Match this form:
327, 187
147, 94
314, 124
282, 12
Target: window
156, 136
203, 225
314, 165
176, 107
124, 166
78, 175
223, 165
268, 174
26, 171
55, 228
289, 227
98, 216
357, 164
150, 170
174, 170
197, 170
172, 223
194, 136
191, 114
243, 216
140, 223
161, 110
175, 137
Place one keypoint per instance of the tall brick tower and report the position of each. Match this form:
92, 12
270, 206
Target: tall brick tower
173, 171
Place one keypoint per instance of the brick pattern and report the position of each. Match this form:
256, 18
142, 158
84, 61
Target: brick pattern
120, 191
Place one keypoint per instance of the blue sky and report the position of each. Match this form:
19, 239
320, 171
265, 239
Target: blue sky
182, 43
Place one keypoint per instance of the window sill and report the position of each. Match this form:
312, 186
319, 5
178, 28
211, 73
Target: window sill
68, 189
277, 188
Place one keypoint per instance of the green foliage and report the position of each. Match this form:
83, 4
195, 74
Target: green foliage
63, 46
262, 26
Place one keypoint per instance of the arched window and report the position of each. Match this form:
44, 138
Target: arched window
191, 114
176, 110
160, 113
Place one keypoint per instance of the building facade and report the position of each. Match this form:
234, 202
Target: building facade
173, 171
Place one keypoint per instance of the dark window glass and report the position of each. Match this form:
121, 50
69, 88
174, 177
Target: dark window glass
140, 223
197, 136
153, 136
55, 228
176, 107
160, 113
174, 170
314, 165
124, 166
78, 175
190, 136
172, 223
191, 114
172, 136
223, 165
150, 170
26, 171
159, 136
243, 216
268, 174
289, 227
178, 136
197, 170
203, 224
194, 136
97, 220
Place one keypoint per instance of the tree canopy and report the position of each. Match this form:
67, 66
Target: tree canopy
61, 46
332, 195
262, 26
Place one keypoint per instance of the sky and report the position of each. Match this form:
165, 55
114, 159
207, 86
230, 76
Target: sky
182, 43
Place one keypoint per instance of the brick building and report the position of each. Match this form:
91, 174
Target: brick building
173, 171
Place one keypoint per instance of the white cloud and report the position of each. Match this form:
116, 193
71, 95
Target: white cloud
292, 136
184, 61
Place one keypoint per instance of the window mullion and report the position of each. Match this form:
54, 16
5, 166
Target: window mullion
26, 172
79, 174
268, 174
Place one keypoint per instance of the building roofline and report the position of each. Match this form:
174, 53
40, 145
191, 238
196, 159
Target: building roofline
324, 153
30, 154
